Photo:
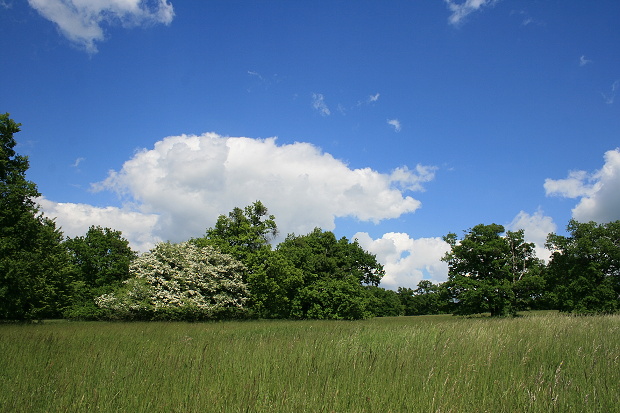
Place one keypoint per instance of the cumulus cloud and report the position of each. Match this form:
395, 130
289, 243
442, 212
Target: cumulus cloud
318, 103
178, 189
407, 261
461, 10
536, 227
598, 192
75, 219
395, 123
81, 20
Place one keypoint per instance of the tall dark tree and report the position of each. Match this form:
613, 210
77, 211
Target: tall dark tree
34, 267
584, 271
486, 269
101, 260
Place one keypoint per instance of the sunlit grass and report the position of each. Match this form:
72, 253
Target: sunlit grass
541, 363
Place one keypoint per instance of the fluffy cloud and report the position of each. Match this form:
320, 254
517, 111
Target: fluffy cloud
462, 10
179, 188
599, 192
394, 123
75, 219
407, 260
81, 20
536, 227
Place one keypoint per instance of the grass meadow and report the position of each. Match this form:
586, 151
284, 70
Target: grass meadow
536, 363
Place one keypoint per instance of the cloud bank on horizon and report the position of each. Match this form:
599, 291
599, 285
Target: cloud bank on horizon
176, 190
179, 187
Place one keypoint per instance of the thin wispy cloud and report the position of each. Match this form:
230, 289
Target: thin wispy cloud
256, 74
318, 103
461, 10
81, 21
369, 100
77, 162
610, 97
583, 61
525, 17
395, 123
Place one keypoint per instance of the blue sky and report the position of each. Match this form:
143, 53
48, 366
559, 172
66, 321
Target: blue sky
390, 122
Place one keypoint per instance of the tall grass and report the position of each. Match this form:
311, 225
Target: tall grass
549, 363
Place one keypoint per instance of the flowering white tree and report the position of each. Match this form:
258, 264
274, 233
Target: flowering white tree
180, 281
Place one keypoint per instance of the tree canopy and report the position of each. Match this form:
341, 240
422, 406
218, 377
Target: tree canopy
34, 266
584, 272
487, 269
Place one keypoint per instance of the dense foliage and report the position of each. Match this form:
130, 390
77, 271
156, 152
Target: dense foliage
584, 274
235, 271
180, 282
488, 271
34, 265
101, 262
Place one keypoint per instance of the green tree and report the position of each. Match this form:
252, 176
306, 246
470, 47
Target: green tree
334, 275
34, 266
180, 282
246, 234
385, 303
273, 285
333, 299
584, 271
243, 233
485, 269
320, 256
101, 261
425, 299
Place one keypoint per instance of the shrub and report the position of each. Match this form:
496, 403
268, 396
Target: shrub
180, 282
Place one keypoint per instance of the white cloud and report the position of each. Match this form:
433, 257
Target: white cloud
184, 183
395, 123
407, 260
583, 61
78, 161
81, 20
577, 184
462, 10
373, 98
536, 227
318, 103
75, 219
599, 192
611, 96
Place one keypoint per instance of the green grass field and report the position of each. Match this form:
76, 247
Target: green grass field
537, 363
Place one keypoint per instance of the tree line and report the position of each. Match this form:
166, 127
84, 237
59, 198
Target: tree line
233, 271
